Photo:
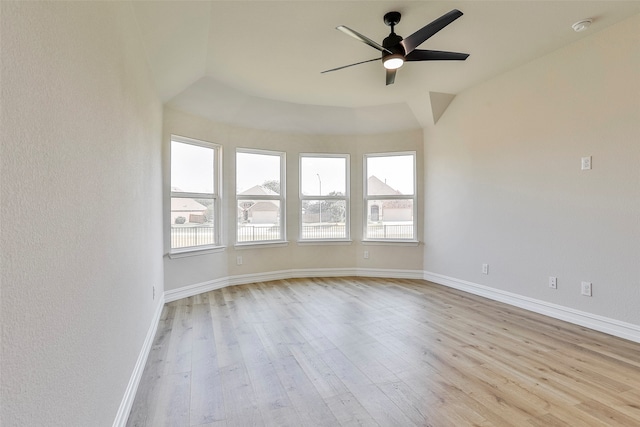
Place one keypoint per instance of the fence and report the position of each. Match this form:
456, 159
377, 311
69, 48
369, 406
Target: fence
327, 231
253, 233
374, 231
186, 236
390, 231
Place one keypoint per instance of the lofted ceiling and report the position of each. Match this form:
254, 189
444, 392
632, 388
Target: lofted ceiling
257, 63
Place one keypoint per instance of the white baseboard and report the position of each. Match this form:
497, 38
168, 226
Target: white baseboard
134, 381
607, 325
198, 288
195, 289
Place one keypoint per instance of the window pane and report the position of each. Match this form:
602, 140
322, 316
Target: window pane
323, 176
192, 222
192, 168
324, 219
258, 220
390, 175
390, 219
257, 173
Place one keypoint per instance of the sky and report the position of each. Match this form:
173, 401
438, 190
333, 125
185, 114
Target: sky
254, 169
192, 171
192, 168
323, 173
396, 171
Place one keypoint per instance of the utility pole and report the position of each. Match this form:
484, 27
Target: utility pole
320, 182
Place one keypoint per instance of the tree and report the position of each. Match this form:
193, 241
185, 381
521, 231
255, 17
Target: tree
208, 203
272, 184
331, 210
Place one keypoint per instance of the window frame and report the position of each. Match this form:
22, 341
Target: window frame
346, 198
216, 196
281, 198
366, 198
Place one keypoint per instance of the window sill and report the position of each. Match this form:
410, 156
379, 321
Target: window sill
268, 244
391, 242
187, 252
311, 242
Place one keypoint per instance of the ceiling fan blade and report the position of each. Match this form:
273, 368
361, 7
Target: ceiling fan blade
364, 39
350, 65
417, 38
391, 76
435, 55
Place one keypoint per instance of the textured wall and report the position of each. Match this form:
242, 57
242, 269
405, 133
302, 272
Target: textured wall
81, 232
504, 184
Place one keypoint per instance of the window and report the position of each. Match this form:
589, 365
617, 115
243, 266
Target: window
195, 203
260, 196
324, 197
390, 196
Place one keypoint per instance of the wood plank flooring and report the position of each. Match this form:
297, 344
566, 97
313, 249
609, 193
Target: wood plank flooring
378, 352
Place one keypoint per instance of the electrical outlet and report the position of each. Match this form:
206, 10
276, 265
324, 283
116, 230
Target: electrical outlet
553, 282
239, 260
585, 163
366, 254
485, 268
586, 289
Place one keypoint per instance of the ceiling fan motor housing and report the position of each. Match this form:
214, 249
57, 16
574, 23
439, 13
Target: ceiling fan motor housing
392, 43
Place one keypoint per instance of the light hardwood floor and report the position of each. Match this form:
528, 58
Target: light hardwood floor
388, 352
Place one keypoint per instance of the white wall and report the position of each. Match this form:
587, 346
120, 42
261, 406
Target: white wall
504, 185
200, 269
81, 210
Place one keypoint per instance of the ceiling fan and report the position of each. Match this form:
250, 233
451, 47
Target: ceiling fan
396, 50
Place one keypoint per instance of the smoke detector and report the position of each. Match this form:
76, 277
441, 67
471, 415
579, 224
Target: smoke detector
581, 25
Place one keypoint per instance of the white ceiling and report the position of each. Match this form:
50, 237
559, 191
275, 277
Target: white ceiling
258, 63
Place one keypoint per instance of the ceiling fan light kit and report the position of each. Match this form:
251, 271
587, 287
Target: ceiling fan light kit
396, 50
393, 61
